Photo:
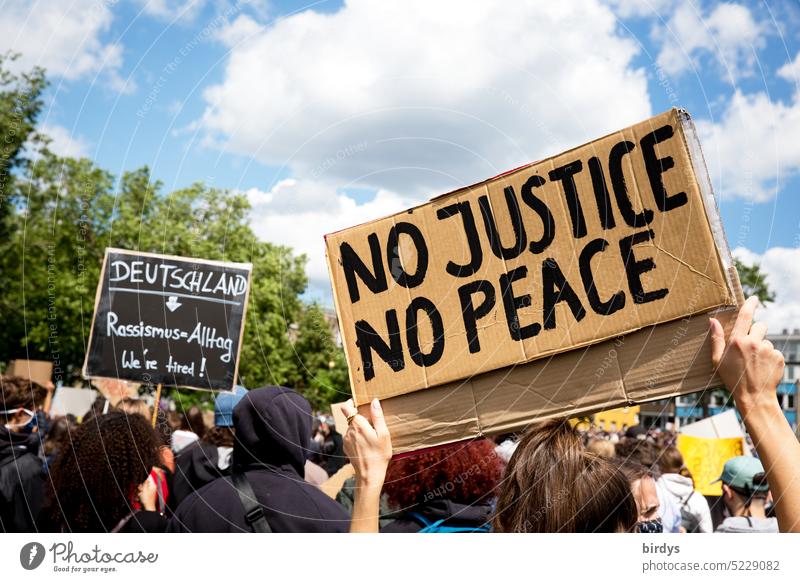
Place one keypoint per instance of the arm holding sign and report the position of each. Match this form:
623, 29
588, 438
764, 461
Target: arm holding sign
369, 448
752, 368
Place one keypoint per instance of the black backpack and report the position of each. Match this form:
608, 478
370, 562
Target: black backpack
253, 512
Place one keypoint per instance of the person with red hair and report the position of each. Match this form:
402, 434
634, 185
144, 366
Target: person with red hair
448, 488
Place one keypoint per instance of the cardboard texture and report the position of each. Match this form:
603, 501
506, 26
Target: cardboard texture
600, 377
725, 425
39, 371
539, 293
338, 417
75, 401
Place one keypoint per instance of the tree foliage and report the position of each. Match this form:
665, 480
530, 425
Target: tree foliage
20, 105
321, 366
754, 282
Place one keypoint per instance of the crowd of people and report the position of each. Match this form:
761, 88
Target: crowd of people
269, 463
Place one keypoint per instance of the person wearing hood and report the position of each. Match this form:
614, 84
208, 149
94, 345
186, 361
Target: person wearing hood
695, 513
272, 425
208, 458
444, 489
22, 474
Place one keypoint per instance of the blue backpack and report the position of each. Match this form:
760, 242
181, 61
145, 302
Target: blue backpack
437, 527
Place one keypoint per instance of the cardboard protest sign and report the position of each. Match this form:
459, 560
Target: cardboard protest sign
594, 243
484, 302
338, 417
39, 371
724, 425
76, 401
705, 457
168, 320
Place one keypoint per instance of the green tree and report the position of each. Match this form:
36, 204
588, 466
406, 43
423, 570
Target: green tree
321, 372
754, 282
20, 105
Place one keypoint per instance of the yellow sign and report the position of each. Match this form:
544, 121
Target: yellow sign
705, 458
617, 418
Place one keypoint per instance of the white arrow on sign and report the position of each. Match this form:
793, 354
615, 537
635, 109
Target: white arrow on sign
172, 303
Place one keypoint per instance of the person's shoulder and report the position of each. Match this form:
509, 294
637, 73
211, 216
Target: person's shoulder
25, 466
326, 508
743, 525
209, 494
194, 450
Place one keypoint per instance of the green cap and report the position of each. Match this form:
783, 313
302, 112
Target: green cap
745, 473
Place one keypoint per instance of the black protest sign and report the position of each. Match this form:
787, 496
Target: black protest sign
168, 320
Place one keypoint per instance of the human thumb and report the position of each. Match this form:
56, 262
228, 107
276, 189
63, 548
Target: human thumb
717, 341
378, 420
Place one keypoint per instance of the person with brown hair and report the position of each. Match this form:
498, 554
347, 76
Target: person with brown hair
647, 453
601, 448
191, 428
695, 513
552, 484
21, 469
643, 491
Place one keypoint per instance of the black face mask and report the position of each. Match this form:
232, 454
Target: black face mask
650, 526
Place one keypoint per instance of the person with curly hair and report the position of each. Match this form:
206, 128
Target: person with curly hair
104, 475
21, 470
448, 488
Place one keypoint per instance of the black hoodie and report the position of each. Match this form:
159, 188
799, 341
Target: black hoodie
195, 466
21, 481
272, 427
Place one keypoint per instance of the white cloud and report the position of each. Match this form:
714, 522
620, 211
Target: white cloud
641, 8
63, 37
64, 143
242, 29
729, 35
752, 150
440, 94
173, 9
299, 213
791, 71
782, 268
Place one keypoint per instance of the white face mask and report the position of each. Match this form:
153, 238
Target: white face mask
14, 411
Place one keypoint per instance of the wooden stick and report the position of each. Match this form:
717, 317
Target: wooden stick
155, 404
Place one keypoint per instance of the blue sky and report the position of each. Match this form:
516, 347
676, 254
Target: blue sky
332, 113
